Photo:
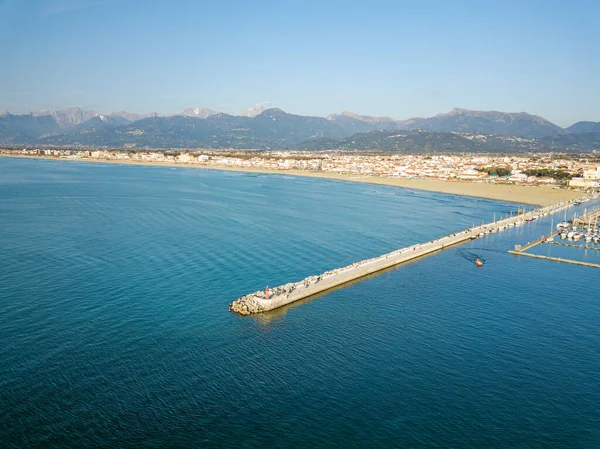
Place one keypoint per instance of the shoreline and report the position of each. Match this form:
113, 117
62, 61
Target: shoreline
530, 195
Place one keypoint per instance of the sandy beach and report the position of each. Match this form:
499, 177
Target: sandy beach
532, 195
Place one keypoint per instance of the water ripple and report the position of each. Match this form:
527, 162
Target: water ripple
114, 331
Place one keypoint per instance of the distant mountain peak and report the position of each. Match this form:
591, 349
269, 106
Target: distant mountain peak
72, 109
198, 112
130, 116
41, 113
456, 111
273, 112
521, 124
220, 115
462, 111
366, 118
68, 117
257, 109
351, 114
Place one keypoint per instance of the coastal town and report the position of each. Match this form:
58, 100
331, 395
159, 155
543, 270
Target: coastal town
580, 172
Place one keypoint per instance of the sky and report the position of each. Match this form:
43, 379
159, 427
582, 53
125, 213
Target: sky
385, 58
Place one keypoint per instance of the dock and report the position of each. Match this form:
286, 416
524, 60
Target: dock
262, 301
587, 218
569, 245
556, 259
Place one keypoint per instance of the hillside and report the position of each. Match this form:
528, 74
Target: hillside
584, 127
26, 128
519, 124
429, 141
399, 141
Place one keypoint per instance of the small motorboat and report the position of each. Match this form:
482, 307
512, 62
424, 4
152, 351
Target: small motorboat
479, 263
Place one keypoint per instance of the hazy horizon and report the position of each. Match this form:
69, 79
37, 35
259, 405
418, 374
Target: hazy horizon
383, 58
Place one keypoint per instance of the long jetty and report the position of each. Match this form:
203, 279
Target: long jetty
263, 301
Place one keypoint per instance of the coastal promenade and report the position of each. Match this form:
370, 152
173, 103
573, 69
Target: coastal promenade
257, 302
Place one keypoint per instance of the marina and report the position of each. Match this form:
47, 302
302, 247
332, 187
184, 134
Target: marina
584, 228
273, 298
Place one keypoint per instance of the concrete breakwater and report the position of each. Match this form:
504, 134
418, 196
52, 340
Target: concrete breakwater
282, 295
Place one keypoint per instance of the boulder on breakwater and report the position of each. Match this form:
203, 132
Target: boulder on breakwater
247, 304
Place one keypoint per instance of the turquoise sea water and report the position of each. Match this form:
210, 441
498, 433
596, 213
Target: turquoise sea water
114, 330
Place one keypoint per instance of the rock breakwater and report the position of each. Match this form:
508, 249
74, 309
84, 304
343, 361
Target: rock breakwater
282, 295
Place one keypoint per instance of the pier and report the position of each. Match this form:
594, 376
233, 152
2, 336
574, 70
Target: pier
262, 301
556, 259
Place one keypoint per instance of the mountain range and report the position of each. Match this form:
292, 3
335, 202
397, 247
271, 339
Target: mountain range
518, 124
259, 128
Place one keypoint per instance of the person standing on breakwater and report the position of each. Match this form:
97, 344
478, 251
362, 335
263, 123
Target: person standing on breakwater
267, 291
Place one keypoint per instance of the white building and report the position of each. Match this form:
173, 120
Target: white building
593, 173
583, 182
518, 177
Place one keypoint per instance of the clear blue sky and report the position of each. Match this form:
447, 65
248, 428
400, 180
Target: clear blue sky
394, 58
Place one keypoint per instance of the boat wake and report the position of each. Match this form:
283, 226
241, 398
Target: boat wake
471, 256
487, 250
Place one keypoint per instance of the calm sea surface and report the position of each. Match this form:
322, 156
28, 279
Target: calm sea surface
114, 330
